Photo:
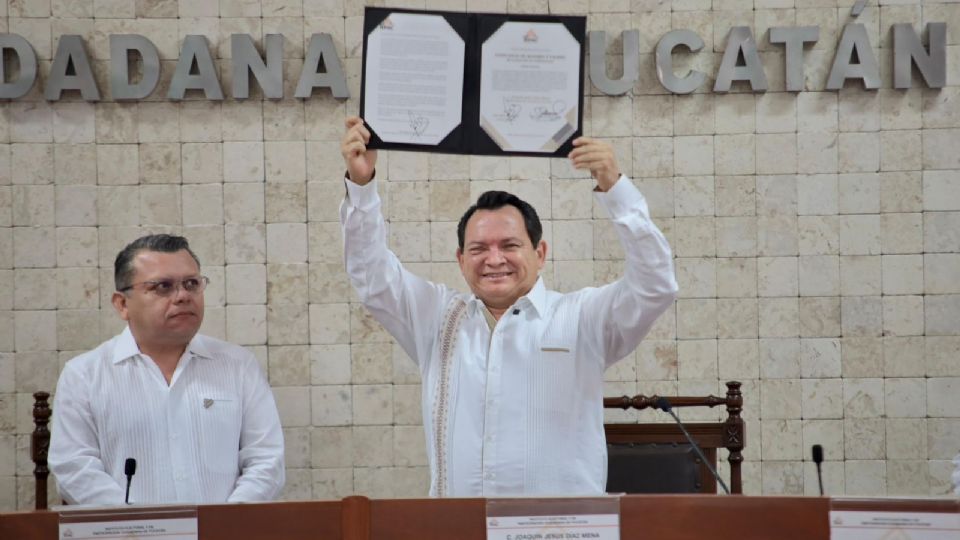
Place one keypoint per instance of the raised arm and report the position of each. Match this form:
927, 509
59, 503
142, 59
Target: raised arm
408, 306
617, 316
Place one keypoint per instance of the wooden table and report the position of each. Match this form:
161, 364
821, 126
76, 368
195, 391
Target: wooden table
659, 517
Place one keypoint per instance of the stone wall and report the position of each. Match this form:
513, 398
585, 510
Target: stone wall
815, 236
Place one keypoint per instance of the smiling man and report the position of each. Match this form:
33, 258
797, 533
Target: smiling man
512, 373
196, 413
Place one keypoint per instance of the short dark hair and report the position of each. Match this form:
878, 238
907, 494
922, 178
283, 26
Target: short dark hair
494, 200
167, 243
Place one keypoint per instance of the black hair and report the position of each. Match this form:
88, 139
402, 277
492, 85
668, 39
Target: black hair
493, 200
123, 265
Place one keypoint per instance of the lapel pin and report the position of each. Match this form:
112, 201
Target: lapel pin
207, 403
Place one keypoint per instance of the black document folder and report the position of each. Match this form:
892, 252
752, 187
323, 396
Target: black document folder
473, 135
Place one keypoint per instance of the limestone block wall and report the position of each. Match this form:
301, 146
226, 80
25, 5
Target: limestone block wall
815, 234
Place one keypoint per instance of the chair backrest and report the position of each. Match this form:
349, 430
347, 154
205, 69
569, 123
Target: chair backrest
656, 458
39, 446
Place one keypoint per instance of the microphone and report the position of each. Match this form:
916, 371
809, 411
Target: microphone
663, 404
129, 469
817, 451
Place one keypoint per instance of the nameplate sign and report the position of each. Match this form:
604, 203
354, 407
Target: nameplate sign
177, 523
859, 525
553, 519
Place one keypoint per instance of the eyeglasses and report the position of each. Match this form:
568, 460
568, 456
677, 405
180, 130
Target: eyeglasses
168, 287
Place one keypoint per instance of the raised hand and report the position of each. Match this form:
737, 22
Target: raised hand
597, 156
360, 161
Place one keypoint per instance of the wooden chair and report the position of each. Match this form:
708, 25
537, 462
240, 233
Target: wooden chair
39, 446
656, 458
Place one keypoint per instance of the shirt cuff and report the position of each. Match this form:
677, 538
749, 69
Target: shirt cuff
365, 197
622, 199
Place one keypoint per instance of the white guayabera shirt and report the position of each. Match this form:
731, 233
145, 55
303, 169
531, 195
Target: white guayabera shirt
212, 435
516, 407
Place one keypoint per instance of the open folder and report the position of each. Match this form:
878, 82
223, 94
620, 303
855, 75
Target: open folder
472, 83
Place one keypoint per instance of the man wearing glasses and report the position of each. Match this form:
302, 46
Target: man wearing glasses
195, 413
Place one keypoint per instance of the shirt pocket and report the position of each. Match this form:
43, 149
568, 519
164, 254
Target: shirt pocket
553, 379
220, 421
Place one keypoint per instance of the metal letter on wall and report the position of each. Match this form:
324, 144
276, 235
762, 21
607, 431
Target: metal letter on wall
740, 40
195, 49
321, 49
907, 51
246, 61
28, 66
120, 46
598, 62
71, 52
664, 59
854, 40
793, 38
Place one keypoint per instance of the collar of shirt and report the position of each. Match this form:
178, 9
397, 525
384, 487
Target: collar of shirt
536, 299
126, 347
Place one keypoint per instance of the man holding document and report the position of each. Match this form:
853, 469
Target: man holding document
512, 373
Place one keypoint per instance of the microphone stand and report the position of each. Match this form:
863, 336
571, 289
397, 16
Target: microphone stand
664, 405
817, 451
129, 469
